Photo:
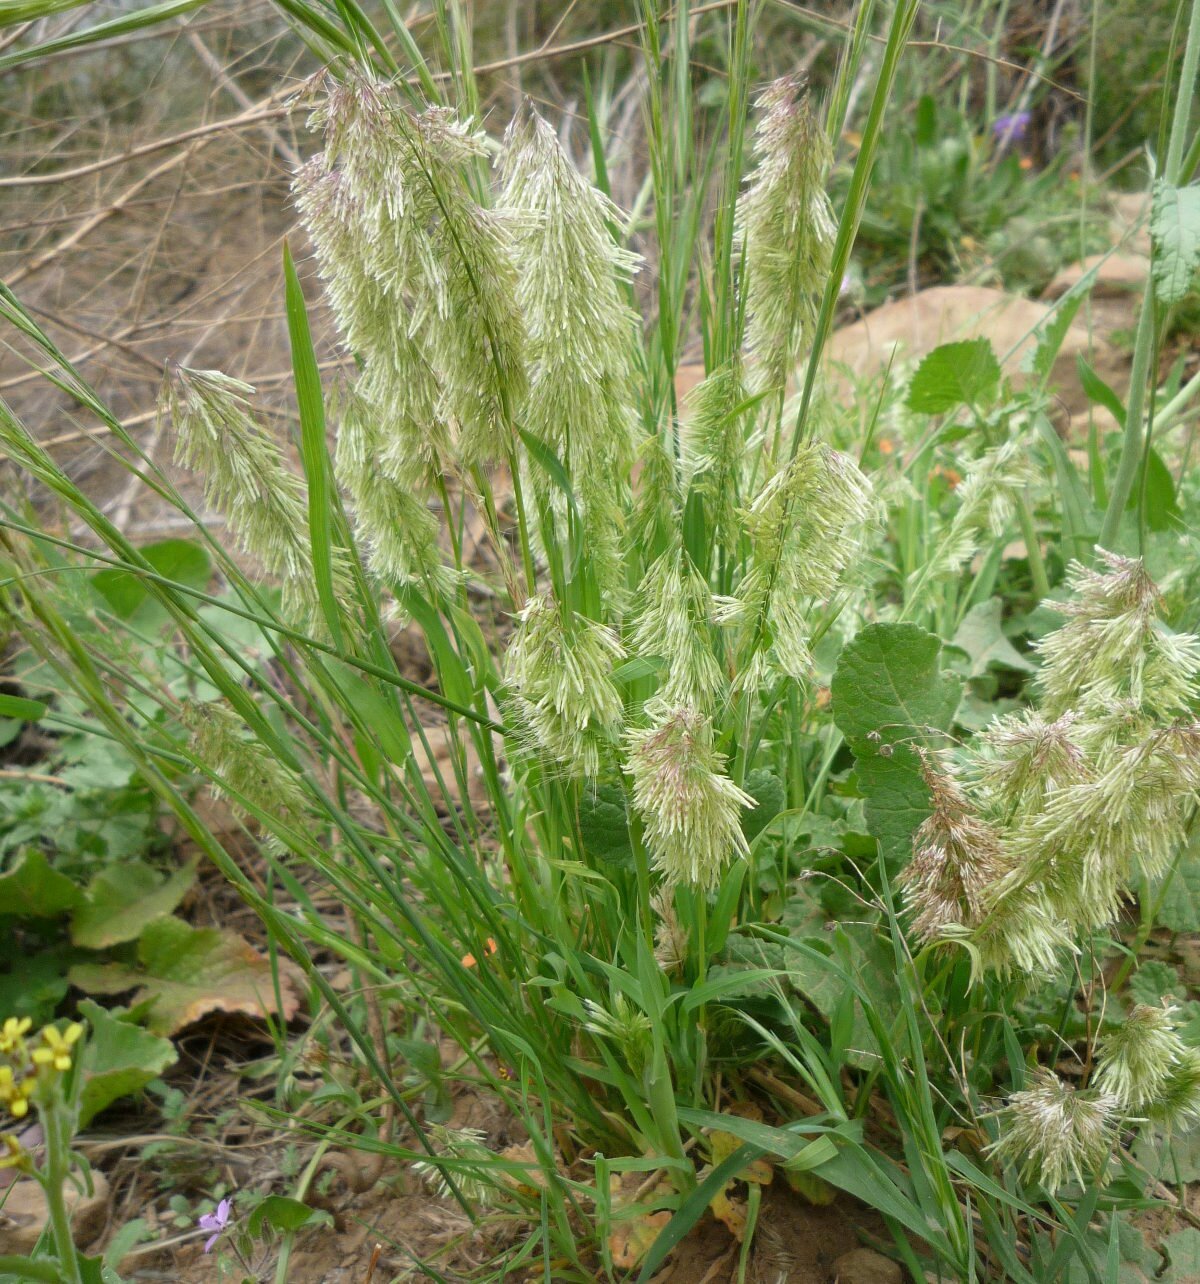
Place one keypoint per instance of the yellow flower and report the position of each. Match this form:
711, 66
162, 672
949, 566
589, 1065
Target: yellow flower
11, 1154
12, 1033
15, 1093
57, 1049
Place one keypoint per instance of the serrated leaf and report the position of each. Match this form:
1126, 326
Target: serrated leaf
1175, 231
889, 695
1182, 1251
1180, 908
767, 790
1154, 981
981, 636
603, 824
955, 374
33, 889
187, 973
123, 899
118, 1059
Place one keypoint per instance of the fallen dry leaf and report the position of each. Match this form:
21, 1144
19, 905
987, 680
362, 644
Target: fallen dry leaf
631, 1239
188, 972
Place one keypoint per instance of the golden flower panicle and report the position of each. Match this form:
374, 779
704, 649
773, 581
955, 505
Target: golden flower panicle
1114, 647
690, 809
674, 623
986, 502
560, 670
572, 291
1054, 1132
714, 439
958, 859
1130, 815
1022, 757
1020, 935
786, 227
245, 475
398, 235
670, 935
805, 526
239, 767
468, 1166
1137, 1061
1177, 1103
398, 530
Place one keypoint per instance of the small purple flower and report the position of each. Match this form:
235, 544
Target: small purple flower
216, 1222
1011, 127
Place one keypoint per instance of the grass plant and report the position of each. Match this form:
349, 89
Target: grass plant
733, 846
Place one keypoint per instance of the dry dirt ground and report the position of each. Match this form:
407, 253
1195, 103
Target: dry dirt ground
156, 252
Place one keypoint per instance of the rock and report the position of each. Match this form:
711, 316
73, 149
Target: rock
865, 1266
912, 327
24, 1214
1113, 274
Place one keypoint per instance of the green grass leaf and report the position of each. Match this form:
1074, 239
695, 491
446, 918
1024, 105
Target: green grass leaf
313, 447
955, 374
23, 710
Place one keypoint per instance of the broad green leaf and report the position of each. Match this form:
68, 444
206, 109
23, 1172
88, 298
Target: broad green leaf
981, 636
34, 889
1175, 231
284, 1214
603, 824
34, 985
955, 374
187, 973
127, 594
1182, 1251
889, 696
767, 790
123, 899
118, 1059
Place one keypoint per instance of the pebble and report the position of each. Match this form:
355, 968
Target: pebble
865, 1266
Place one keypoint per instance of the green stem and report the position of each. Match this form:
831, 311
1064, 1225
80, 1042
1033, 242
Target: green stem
1037, 566
58, 1163
1173, 174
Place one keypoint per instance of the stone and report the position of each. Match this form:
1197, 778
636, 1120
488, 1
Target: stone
1112, 274
23, 1216
912, 327
909, 328
865, 1266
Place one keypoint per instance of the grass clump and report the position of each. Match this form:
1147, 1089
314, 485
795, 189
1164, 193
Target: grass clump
735, 813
